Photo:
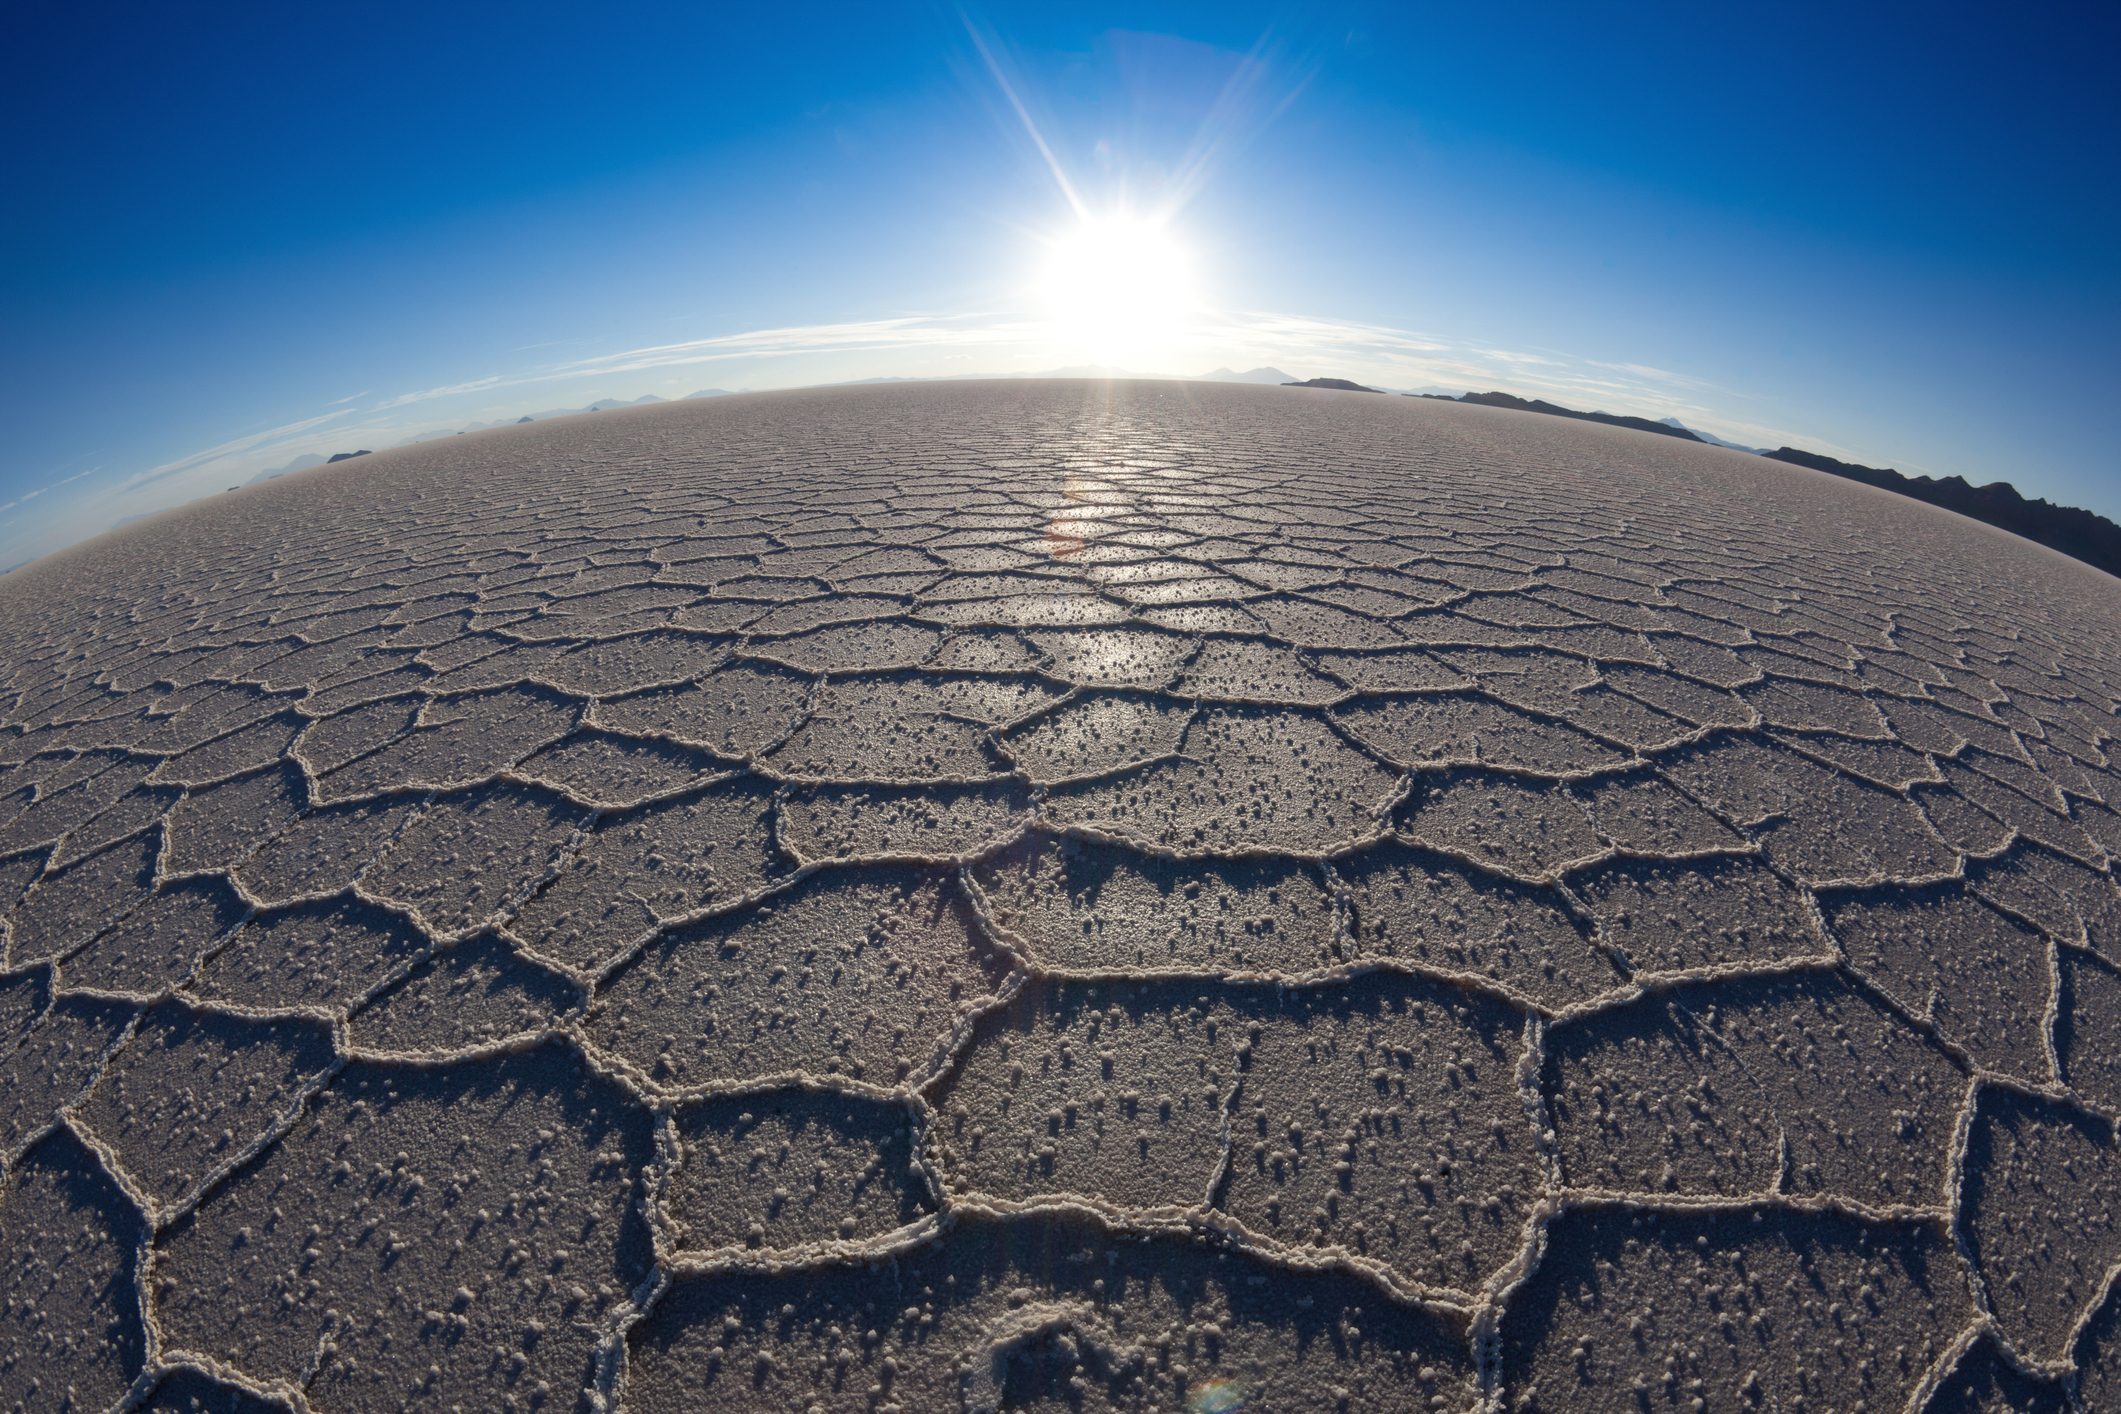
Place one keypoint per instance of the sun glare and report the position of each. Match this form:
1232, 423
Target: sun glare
1118, 288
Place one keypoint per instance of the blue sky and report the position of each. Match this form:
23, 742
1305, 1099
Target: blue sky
235, 235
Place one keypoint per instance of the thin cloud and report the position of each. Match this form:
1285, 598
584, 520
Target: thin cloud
448, 390
1654, 374
907, 332
881, 334
811, 338
28, 496
1383, 354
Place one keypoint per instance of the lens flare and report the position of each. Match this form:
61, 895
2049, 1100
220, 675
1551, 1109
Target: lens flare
1216, 1397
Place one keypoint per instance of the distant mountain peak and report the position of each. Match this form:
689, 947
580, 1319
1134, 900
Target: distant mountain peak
2080, 534
301, 463
1709, 437
1516, 404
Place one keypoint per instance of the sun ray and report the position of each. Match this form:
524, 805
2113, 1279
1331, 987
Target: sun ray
1023, 115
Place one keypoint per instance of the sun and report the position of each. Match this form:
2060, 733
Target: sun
1116, 288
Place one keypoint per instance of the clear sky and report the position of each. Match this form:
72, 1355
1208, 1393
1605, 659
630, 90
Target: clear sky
233, 235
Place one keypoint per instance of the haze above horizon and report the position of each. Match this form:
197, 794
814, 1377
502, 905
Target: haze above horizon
240, 237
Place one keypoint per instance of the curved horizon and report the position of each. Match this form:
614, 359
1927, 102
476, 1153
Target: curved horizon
212, 273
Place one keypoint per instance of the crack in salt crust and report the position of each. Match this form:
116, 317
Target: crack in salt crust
956, 897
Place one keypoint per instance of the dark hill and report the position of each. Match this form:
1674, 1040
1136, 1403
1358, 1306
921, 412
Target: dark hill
1611, 419
2080, 534
1340, 384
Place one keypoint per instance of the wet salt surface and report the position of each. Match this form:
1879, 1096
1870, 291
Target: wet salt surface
1014, 896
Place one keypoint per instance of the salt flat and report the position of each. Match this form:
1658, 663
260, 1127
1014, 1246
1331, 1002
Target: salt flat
1137, 895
